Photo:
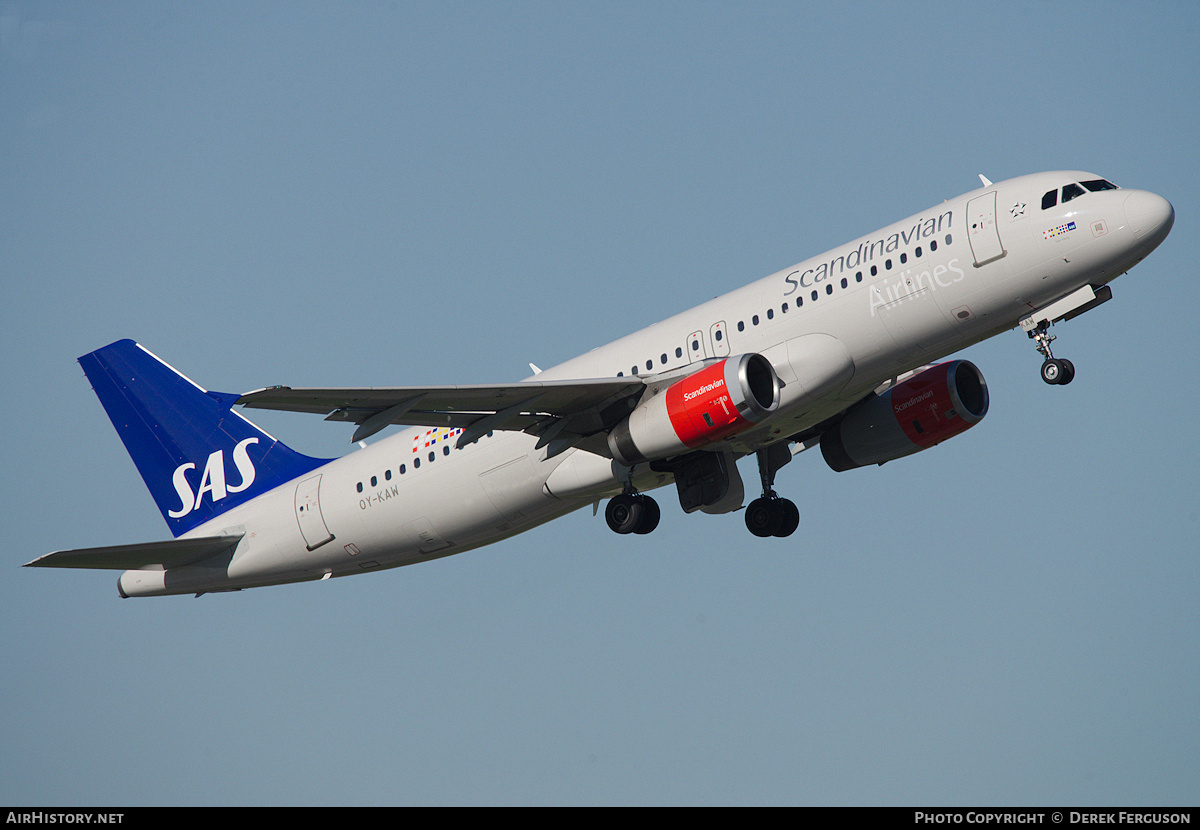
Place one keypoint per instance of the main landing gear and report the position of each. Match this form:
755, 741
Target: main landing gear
770, 515
632, 513
1055, 370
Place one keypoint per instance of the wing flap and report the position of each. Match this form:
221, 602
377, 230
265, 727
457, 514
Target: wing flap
172, 553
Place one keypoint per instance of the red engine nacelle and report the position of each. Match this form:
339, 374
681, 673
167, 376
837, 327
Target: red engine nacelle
719, 400
931, 406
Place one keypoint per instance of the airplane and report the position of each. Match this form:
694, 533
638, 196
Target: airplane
837, 352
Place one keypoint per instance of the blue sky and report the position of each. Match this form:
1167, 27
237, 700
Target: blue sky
399, 193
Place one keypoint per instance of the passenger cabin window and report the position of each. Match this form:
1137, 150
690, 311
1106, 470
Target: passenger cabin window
1071, 191
1050, 200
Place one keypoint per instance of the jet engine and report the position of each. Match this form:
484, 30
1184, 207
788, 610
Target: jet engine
720, 400
935, 404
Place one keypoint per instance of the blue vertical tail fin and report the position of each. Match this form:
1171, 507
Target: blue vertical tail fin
197, 456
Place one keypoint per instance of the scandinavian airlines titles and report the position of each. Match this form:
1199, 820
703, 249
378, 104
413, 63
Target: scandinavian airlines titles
911, 285
866, 252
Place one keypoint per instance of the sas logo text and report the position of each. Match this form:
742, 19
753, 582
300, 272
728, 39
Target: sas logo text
213, 479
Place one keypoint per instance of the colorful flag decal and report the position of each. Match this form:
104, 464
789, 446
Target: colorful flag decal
1058, 231
432, 437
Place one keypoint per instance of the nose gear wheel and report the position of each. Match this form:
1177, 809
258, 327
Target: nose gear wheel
1055, 371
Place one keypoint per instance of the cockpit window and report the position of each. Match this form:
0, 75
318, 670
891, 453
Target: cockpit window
1096, 185
1071, 191
1050, 200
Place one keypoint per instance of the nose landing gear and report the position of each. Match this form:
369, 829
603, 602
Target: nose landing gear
1037, 325
1056, 371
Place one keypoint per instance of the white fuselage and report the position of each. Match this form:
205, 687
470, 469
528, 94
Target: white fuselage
893, 300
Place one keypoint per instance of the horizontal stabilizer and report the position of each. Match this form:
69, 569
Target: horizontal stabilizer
172, 553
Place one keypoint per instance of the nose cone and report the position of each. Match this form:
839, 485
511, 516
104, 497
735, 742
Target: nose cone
1150, 216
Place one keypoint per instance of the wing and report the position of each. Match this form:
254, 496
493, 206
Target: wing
172, 553
568, 411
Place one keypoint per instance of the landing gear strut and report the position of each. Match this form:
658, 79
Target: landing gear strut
770, 515
1057, 371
